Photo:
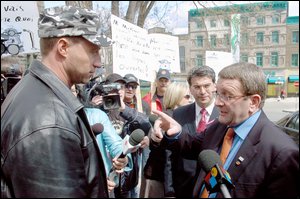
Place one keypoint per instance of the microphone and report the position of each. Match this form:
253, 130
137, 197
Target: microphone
152, 119
97, 128
132, 142
217, 179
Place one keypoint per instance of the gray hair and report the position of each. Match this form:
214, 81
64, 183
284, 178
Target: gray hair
252, 78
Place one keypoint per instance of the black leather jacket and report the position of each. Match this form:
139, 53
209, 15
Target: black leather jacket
47, 146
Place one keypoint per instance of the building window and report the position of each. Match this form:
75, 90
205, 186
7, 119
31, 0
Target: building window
276, 19
200, 25
245, 20
259, 59
226, 23
260, 20
199, 41
213, 41
295, 37
199, 60
244, 58
295, 58
244, 38
275, 37
274, 59
213, 23
226, 39
259, 38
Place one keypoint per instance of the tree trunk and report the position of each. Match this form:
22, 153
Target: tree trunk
145, 8
80, 4
115, 8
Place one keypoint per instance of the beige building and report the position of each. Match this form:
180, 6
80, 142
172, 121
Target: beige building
267, 38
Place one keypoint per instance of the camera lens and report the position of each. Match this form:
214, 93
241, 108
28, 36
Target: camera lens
109, 102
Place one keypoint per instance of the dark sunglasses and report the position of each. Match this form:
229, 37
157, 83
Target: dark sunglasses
128, 86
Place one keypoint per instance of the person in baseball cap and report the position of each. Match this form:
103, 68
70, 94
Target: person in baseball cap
72, 21
115, 78
130, 78
69, 49
163, 73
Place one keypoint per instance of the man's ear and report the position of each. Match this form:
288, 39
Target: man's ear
255, 102
62, 46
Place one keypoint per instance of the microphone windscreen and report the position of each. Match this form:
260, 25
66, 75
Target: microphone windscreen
152, 119
97, 128
209, 158
136, 137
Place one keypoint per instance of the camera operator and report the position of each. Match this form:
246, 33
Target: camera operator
125, 120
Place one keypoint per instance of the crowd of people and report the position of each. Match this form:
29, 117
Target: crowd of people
62, 137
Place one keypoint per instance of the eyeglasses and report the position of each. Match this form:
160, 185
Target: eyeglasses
128, 86
225, 98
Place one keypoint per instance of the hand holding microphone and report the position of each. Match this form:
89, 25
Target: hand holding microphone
130, 144
217, 179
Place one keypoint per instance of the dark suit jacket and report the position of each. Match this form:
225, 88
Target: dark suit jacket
184, 170
271, 160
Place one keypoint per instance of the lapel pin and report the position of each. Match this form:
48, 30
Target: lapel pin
239, 161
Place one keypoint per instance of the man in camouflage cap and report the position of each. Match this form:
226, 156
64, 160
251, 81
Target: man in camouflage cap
48, 149
72, 21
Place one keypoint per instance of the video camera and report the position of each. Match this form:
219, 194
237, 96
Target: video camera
109, 93
10, 76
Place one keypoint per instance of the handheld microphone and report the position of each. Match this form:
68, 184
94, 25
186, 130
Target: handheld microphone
97, 128
152, 119
130, 143
217, 179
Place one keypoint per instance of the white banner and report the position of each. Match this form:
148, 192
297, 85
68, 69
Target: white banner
137, 52
165, 52
19, 26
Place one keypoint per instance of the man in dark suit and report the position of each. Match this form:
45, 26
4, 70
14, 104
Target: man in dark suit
202, 86
263, 161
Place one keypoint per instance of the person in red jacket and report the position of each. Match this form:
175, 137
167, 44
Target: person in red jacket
155, 100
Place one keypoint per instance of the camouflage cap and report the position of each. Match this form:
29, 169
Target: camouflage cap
71, 21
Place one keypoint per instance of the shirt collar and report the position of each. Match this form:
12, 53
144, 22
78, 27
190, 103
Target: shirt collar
243, 129
209, 109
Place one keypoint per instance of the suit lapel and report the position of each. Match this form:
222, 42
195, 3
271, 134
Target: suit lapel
248, 150
214, 115
189, 113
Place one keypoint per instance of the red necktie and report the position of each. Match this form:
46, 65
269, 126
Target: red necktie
202, 123
227, 143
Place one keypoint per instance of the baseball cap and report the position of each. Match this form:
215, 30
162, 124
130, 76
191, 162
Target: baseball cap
163, 73
114, 77
130, 78
72, 21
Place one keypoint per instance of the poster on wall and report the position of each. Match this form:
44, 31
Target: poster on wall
218, 60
